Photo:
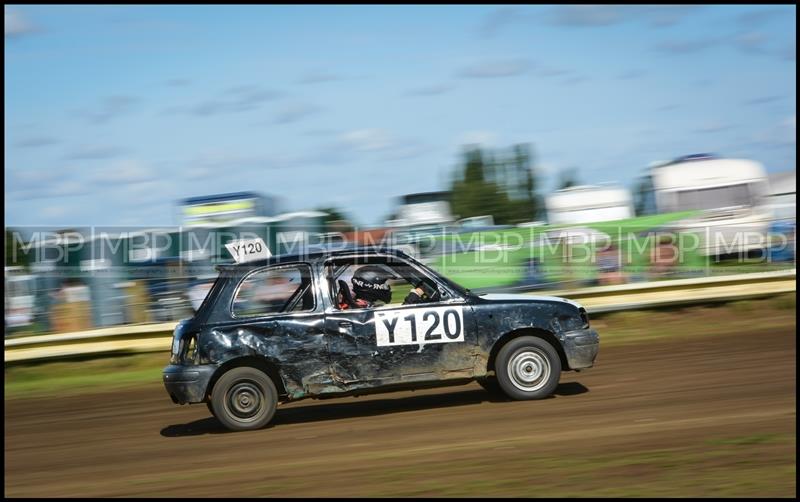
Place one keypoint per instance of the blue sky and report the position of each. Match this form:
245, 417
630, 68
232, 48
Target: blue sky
112, 113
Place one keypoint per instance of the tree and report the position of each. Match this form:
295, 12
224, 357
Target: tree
522, 185
568, 178
496, 184
642, 200
336, 221
472, 194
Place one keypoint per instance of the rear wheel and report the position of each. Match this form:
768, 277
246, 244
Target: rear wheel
528, 368
244, 399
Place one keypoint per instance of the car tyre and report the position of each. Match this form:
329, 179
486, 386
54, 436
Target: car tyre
244, 399
528, 368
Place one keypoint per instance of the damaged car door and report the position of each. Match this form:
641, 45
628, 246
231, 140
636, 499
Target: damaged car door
278, 317
398, 343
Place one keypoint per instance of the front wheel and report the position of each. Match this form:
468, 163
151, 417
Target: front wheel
244, 399
528, 368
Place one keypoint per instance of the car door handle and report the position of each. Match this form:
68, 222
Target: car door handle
345, 327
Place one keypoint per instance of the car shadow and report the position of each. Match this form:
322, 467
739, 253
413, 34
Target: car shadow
570, 389
320, 412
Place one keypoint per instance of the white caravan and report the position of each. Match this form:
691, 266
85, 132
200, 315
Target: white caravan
588, 204
730, 193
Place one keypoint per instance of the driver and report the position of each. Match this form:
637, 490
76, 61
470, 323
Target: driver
417, 295
370, 288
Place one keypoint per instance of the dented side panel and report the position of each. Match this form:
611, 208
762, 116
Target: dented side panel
327, 351
362, 358
295, 344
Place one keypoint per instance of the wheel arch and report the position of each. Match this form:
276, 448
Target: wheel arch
260, 363
537, 332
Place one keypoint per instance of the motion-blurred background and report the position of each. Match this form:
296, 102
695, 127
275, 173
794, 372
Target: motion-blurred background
640, 160
519, 148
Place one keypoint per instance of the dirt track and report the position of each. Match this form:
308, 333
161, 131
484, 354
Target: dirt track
717, 417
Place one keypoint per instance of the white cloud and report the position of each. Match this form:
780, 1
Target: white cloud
431, 90
111, 108
66, 188
243, 98
373, 141
222, 162
684, 46
605, 15
577, 79
92, 152
550, 71
296, 111
39, 183
790, 54
496, 68
780, 135
29, 178
316, 77
35, 142
632, 74
477, 138
159, 190
16, 24
713, 127
124, 171
496, 20
54, 211
200, 173
367, 140
587, 15
751, 41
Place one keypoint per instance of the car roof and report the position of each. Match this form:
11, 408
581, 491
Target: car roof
313, 256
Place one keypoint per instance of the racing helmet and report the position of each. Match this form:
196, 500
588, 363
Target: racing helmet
369, 283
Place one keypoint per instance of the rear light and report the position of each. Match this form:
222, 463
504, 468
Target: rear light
184, 349
190, 351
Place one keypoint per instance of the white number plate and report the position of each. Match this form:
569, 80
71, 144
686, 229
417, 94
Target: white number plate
248, 250
419, 326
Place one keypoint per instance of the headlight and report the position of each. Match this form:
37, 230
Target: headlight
570, 322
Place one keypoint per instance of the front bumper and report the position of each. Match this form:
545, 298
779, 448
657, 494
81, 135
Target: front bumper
188, 384
580, 347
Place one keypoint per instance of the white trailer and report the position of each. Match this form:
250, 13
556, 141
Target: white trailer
19, 297
588, 204
730, 193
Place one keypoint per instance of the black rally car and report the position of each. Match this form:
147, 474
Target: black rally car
291, 327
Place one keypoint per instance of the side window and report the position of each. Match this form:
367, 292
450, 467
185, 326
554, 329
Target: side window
274, 290
389, 283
